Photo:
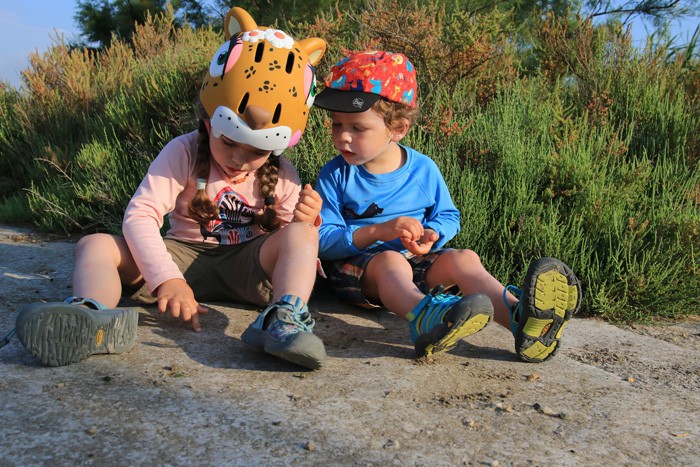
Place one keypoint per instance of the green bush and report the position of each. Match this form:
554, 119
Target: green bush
589, 153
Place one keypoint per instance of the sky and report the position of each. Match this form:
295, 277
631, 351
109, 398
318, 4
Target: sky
29, 25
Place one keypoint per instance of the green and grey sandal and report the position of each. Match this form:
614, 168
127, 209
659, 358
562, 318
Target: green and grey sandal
61, 333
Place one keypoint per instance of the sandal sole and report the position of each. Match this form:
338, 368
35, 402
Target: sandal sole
552, 295
59, 334
477, 320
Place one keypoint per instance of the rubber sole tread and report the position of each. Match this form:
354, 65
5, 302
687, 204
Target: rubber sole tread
59, 334
551, 297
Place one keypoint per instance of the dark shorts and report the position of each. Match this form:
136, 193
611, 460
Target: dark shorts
344, 275
217, 272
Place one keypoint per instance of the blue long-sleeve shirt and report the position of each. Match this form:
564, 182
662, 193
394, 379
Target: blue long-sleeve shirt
353, 198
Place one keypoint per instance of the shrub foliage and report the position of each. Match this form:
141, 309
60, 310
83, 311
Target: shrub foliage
588, 153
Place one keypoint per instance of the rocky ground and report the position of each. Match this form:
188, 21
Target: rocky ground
613, 395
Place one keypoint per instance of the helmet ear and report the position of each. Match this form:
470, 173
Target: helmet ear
238, 20
314, 48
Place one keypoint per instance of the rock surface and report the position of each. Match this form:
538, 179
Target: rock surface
612, 396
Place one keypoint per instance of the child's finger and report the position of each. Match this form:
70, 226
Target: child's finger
196, 327
175, 309
310, 190
162, 304
410, 245
416, 231
307, 210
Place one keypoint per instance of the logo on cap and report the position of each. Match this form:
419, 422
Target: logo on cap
358, 103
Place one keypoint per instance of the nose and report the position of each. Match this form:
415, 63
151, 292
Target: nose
256, 117
343, 136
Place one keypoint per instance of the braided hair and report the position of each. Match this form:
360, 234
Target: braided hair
203, 210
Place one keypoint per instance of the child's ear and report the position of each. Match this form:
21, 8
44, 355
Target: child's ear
401, 130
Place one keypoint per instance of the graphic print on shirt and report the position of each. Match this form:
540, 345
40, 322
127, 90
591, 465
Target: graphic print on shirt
236, 219
371, 211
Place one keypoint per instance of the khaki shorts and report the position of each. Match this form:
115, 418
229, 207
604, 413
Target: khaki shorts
216, 272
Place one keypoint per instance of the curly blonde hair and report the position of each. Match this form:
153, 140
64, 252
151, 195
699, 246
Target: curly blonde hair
395, 113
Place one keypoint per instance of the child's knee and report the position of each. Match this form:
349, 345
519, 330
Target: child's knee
94, 242
467, 258
302, 230
388, 259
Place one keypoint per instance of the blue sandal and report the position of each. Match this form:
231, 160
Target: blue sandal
289, 335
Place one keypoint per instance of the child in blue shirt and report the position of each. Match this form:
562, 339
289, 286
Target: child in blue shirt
387, 214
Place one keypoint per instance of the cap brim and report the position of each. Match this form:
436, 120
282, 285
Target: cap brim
345, 101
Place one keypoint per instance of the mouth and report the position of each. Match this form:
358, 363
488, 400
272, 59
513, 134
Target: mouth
232, 171
346, 153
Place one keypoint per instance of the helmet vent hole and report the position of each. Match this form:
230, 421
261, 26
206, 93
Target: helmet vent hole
278, 111
259, 52
290, 62
243, 104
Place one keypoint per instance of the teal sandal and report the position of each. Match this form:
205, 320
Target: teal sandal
441, 320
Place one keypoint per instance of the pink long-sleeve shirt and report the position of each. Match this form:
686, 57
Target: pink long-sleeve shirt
167, 189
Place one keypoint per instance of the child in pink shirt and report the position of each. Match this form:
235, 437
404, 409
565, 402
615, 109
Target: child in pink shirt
242, 228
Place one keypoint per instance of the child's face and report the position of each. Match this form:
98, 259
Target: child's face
362, 137
235, 158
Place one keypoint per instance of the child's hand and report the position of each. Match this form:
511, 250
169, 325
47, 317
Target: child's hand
309, 205
403, 227
406, 228
423, 245
177, 296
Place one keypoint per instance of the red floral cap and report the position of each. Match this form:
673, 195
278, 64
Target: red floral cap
359, 80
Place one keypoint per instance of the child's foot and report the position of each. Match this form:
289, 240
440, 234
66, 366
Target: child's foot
440, 321
288, 336
550, 297
62, 333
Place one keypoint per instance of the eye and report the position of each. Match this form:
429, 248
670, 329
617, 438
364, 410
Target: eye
224, 58
309, 85
216, 68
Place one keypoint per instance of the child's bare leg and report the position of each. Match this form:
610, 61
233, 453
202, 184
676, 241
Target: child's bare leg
436, 322
288, 258
102, 263
60, 333
464, 268
389, 278
284, 328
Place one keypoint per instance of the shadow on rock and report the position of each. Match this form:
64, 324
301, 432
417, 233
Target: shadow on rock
218, 345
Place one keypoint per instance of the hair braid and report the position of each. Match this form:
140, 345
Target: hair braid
267, 176
201, 208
